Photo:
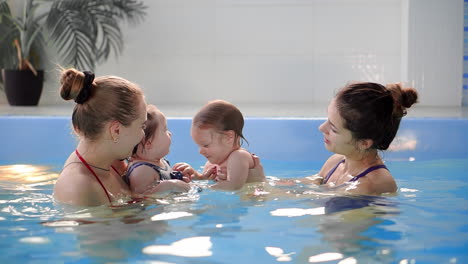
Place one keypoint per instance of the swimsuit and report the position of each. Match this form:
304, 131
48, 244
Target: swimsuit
165, 173
355, 178
92, 171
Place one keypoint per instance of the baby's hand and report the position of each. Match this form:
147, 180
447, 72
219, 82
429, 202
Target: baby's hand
209, 173
186, 170
221, 174
257, 171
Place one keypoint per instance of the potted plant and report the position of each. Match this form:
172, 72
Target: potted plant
81, 32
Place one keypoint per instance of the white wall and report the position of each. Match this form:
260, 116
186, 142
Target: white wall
435, 50
289, 51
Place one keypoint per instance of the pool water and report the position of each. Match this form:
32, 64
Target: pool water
425, 222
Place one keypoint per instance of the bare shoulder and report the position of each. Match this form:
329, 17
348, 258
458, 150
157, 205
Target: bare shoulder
241, 155
379, 181
76, 186
74, 173
142, 177
330, 163
144, 170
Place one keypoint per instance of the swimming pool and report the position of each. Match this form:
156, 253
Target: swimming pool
424, 223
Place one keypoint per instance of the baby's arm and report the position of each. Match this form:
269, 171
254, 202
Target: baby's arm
168, 186
142, 178
145, 180
238, 165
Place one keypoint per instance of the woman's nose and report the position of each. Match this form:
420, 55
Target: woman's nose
322, 127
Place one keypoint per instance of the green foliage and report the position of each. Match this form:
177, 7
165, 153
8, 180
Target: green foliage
84, 32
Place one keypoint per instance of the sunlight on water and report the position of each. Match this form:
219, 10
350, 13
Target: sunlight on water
22, 173
169, 216
292, 212
349, 260
187, 247
279, 254
281, 220
325, 257
35, 240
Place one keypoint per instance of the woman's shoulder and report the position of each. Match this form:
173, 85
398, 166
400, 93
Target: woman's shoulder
74, 182
332, 161
78, 175
380, 181
335, 158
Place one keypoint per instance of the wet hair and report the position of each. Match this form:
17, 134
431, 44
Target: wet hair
151, 125
222, 116
373, 111
99, 100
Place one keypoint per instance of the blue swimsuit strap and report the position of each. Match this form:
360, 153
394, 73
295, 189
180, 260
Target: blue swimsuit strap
370, 169
126, 178
332, 171
355, 178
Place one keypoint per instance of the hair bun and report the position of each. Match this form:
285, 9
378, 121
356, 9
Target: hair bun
71, 81
409, 96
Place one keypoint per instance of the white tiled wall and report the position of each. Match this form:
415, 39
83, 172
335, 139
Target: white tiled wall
290, 51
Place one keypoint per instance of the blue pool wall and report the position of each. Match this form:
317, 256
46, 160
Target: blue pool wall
49, 140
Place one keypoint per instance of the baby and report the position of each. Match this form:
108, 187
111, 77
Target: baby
148, 171
217, 130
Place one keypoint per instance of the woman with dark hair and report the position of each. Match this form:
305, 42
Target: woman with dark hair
363, 118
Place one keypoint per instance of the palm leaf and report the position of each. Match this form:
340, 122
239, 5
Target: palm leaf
87, 32
9, 32
84, 32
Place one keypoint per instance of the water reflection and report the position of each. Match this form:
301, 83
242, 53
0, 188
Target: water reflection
356, 226
24, 177
296, 223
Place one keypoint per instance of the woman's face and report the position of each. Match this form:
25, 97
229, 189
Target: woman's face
134, 133
337, 138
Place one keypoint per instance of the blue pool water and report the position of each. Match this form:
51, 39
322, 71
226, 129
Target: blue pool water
425, 222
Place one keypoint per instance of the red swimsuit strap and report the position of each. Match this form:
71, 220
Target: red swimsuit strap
115, 170
91, 170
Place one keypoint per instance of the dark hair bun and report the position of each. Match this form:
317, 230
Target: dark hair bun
409, 96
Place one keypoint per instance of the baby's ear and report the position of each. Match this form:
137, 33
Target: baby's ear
230, 135
148, 144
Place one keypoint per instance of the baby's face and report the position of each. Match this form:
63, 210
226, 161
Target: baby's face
214, 145
161, 141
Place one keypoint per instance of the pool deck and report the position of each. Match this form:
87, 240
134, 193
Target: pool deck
248, 109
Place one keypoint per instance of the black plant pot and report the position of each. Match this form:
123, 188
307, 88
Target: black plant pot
22, 87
